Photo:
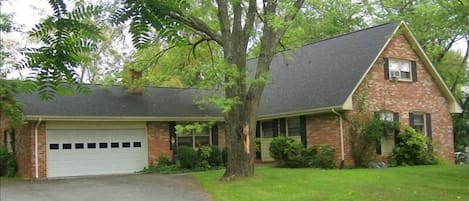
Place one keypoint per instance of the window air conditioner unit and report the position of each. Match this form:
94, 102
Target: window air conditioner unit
395, 75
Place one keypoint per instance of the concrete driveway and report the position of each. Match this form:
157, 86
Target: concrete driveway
113, 188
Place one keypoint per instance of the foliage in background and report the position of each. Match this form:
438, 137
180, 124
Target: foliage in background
7, 162
67, 38
413, 149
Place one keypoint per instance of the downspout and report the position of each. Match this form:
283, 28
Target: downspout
341, 132
36, 155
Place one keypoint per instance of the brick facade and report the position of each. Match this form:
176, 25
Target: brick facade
158, 141
25, 150
404, 96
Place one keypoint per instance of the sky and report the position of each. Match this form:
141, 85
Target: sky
27, 13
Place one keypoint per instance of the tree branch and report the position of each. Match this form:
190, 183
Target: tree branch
250, 17
224, 21
196, 24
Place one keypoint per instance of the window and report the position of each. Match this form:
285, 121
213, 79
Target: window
54, 146
194, 137
79, 146
103, 145
91, 145
137, 144
125, 144
387, 116
267, 129
419, 122
114, 145
67, 146
400, 69
293, 126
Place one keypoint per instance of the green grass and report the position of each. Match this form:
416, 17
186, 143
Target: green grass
404, 183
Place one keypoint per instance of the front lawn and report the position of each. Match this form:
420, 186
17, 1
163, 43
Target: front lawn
404, 183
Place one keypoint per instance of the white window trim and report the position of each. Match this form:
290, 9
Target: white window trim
397, 75
424, 129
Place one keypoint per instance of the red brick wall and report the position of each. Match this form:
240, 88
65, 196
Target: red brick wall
24, 148
158, 140
404, 97
24, 145
325, 129
42, 147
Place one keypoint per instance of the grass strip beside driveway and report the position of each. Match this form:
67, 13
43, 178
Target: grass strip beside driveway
403, 183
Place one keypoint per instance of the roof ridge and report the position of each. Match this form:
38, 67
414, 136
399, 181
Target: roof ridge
146, 86
332, 37
348, 33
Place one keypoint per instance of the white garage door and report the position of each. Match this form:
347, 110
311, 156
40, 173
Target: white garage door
94, 152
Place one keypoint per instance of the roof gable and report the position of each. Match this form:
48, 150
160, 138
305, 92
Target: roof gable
402, 27
321, 75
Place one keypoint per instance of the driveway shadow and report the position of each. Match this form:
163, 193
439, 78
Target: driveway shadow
137, 187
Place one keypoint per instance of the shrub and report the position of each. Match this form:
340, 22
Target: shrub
278, 146
215, 158
324, 158
413, 149
187, 157
291, 153
7, 162
296, 156
164, 161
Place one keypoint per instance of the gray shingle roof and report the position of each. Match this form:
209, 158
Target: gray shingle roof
116, 101
317, 75
324, 73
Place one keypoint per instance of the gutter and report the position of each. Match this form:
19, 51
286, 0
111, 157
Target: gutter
36, 155
341, 131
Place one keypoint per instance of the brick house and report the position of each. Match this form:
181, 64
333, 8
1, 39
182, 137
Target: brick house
313, 93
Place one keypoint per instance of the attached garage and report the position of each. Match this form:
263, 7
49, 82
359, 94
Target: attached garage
78, 152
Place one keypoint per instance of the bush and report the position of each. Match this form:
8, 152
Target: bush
164, 161
187, 157
278, 146
291, 153
324, 158
296, 156
215, 158
413, 149
7, 162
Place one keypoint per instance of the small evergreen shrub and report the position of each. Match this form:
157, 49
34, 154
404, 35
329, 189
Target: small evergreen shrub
293, 154
187, 157
324, 157
413, 149
278, 147
296, 156
215, 158
7, 162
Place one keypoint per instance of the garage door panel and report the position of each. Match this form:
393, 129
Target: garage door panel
86, 160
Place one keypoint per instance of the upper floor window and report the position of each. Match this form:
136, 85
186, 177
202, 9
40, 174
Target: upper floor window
400, 69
